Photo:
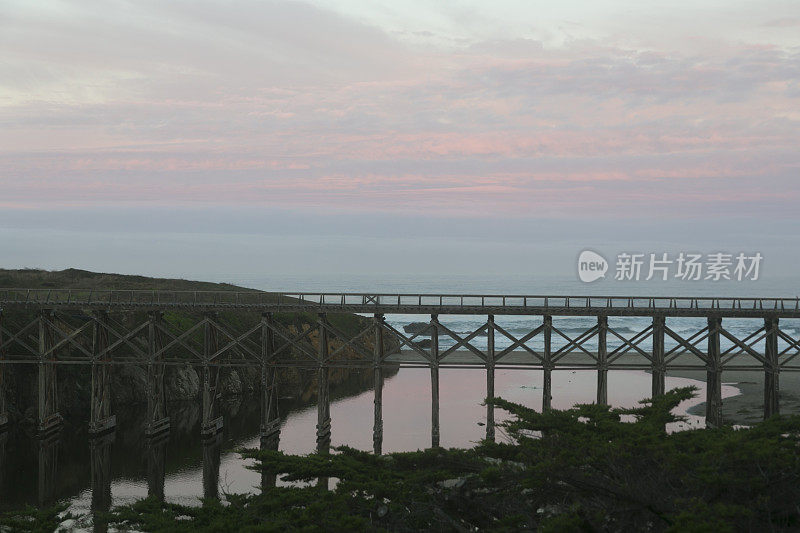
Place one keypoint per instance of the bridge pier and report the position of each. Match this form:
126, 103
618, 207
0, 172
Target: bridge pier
714, 375
547, 365
490, 355
3, 408
49, 418
434, 381
657, 366
212, 418
270, 416
101, 420
157, 420
771, 368
602, 360
323, 390
377, 378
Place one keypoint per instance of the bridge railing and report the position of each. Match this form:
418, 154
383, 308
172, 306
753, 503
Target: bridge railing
133, 298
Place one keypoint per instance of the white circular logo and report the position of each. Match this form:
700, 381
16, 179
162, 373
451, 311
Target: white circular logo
591, 266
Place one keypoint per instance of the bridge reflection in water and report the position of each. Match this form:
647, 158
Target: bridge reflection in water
218, 330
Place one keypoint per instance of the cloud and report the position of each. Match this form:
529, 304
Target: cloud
287, 104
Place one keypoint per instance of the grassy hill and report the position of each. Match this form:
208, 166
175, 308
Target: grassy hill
73, 278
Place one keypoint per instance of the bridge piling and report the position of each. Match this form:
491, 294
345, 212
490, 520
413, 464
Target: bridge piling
157, 420
270, 416
434, 363
714, 374
3, 409
49, 418
771, 368
657, 367
212, 418
323, 390
547, 364
377, 374
602, 360
490, 363
101, 420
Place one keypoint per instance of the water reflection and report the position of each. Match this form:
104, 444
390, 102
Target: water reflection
181, 468
47, 451
211, 458
100, 448
156, 456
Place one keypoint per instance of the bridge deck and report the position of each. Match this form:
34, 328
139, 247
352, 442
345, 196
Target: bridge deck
464, 304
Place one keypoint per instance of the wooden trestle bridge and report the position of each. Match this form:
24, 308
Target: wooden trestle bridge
103, 328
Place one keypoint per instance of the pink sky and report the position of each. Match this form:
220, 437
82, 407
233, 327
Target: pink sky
351, 107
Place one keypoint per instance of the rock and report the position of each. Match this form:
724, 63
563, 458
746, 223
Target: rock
128, 385
417, 327
231, 384
182, 383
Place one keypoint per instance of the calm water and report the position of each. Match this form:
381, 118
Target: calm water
62, 470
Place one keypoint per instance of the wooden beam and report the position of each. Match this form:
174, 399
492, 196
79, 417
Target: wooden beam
270, 416
323, 390
157, 420
602, 360
48, 417
101, 420
490, 358
212, 418
714, 375
658, 367
547, 363
3, 407
434, 381
771, 368
377, 374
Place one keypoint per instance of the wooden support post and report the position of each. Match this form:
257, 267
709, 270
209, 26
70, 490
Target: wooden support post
49, 418
602, 360
101, 420
490, 354
212, 418
270, 415
771, 368
547, 364
157, 420
323, 390
434, 381
658, 366
377, 374
3, 407
714, 375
